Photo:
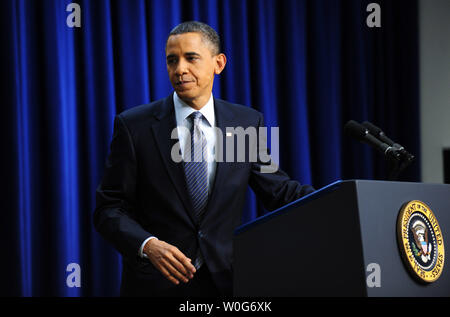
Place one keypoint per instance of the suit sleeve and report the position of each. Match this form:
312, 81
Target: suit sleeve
114, 215
272, 185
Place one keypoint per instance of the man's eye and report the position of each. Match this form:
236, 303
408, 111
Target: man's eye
171, 61
191, 58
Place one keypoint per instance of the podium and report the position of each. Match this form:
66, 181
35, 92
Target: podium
333, 241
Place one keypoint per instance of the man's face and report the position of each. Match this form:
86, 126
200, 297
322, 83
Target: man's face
191, 67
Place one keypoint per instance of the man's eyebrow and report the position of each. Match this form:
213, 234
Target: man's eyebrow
192, 54
186, 54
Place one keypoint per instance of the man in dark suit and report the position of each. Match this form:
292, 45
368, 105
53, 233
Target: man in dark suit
173, 221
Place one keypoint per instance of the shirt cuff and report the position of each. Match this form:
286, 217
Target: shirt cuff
141, 249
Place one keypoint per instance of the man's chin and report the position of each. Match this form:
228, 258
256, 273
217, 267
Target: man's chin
185, 95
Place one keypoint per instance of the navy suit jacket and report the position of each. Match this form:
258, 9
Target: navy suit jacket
143, 193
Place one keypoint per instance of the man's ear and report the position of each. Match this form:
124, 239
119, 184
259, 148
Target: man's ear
221, 61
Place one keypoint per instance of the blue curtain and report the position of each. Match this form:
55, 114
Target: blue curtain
309, 66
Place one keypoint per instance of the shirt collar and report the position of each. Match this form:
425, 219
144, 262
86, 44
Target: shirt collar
183, 110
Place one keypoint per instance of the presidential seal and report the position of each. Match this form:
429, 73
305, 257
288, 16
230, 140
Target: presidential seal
420, 241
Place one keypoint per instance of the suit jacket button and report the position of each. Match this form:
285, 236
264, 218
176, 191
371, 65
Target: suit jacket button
201, 234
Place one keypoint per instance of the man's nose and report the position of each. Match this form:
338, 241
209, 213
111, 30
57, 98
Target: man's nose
181, 68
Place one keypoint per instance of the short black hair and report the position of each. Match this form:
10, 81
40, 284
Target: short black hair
208, 33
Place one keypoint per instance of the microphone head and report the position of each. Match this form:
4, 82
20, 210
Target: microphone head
374, 130
377, 132
356, 130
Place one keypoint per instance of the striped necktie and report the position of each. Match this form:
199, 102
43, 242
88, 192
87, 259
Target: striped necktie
196, 172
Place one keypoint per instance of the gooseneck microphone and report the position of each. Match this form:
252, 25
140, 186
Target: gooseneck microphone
362, 134
398, 158
378, 133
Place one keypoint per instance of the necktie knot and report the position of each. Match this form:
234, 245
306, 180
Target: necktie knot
196, 116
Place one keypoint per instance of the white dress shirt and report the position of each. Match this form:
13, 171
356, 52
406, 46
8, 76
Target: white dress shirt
207, 125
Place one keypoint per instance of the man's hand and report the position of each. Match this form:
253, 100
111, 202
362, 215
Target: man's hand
170, 261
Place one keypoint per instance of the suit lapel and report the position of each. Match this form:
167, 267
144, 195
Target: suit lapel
162, 131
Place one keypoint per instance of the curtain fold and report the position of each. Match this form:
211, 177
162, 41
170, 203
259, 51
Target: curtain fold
307, 65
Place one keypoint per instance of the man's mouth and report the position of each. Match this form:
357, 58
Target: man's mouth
183, 83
